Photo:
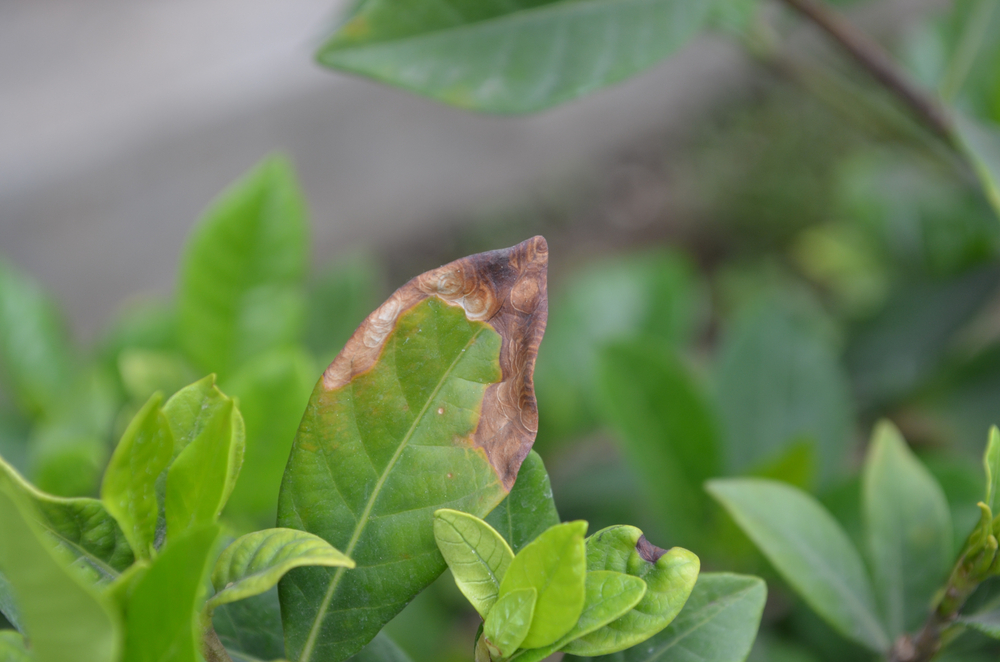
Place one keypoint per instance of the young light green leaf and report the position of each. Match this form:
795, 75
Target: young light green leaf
129, 487
81, 527
991, 464
13, 648
718, 623
477, 555
555, 565
810, 550
250, 629
669, 575
981, 142
428, 406
515, 58
208, 428
987, 622
63, 617
242, 272
908, 528
529, 508
272, 390
162, 616
666, 427
35, 355
509, 620
255, 562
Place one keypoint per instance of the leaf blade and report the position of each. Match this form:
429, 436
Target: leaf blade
477, 555
529, 508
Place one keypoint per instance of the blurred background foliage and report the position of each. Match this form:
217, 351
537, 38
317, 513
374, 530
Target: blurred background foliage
747, 301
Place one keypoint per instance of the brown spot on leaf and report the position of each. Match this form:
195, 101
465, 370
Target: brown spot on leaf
648, 551
506, 289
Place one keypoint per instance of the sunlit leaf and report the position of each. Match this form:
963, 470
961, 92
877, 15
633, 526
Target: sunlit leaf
242, 272
255, 562
477, 555
810, 550
509, 620
429, 405
529, 508
509, 58
909, 530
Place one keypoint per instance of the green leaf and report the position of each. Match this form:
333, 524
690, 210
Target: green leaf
36, 359
338, 301
255, 562
427, 407
529, 508
796, 465
981, 142
509, 620
511, 58
477, 555
987, 622
909, 530
991, 463
13, 648
81, 528
146, 371
778, 381
163, 612
241, 281
670, 575
272, 390
129, 487
8, 604
555, 565
718, 624
65, 461
666, 427
250, 629
381, 649
209, 432
810, 550
62, 616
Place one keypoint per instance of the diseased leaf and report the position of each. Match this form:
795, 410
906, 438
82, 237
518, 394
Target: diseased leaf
12, 647
810, 550
429, 405
670, 575
554, 564
129, 487
477, 555
666, 427
163, 611
255, 562
529, 508
509, 620
208, 429
991, 464
718, 623
63, 617
250, 629
509, 58
909, 530
241, 276
81, 528
982, 146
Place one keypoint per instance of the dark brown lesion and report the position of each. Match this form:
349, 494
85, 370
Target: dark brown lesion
648, 551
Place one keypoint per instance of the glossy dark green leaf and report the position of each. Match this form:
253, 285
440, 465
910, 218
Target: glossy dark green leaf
513, 58
718, 624
254, 563
779, 380
162, 616
670, 575
667, 429
909, 530
81, 528
242, 272
810, 550
509, 620
272, 390
129, 487
427, 407
13, 648
981, 141
64, 618
209, 438
36, 360
529, 508
250, 629
477, 555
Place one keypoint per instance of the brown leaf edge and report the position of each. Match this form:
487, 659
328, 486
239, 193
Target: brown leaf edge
504, 288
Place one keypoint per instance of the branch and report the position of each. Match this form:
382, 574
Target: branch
876, 62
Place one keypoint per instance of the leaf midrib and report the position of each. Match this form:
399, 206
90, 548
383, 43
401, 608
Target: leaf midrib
307, 650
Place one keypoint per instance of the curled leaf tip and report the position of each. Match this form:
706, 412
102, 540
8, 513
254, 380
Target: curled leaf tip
648, 551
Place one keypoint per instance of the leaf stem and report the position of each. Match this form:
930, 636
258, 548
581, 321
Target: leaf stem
870, 56
212, 648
